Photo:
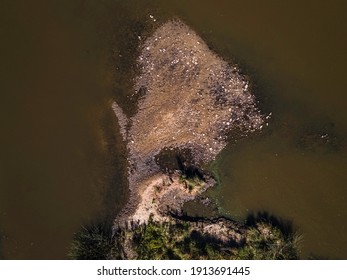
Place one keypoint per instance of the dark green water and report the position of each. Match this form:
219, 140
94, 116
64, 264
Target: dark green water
61, 156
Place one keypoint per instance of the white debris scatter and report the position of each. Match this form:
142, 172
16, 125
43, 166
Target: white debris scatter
185, 80
191, 99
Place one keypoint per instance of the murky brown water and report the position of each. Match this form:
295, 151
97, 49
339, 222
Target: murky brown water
59, 168
56, 166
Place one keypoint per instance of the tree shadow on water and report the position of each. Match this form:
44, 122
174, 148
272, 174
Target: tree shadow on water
271, 237
285, 226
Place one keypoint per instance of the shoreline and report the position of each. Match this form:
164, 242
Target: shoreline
190, 101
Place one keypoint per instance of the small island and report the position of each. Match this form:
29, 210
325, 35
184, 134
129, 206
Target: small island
190, 103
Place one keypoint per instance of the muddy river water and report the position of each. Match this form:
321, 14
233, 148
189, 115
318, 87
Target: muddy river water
62, 156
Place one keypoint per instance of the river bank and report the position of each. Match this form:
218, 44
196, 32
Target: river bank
190, 103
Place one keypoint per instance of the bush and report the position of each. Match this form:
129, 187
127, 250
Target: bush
266, 242
94, 242
182, 240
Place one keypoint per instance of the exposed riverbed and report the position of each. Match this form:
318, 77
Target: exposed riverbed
58, 168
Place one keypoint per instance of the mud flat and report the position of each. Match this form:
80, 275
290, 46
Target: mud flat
189, 98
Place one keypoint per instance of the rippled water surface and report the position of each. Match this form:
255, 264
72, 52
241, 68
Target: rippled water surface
61, 155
